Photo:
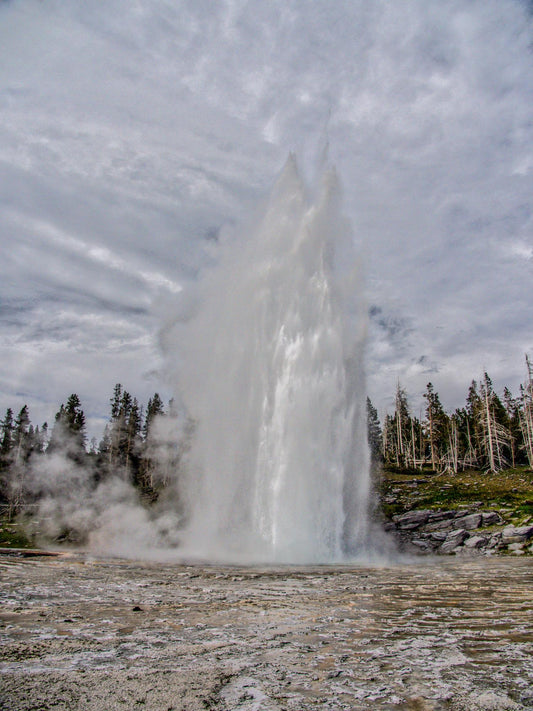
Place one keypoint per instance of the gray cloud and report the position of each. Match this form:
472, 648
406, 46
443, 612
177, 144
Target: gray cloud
130, 133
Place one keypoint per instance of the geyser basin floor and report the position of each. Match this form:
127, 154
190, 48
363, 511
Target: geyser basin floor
446, 635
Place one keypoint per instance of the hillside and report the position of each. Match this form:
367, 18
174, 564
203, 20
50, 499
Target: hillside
472, 511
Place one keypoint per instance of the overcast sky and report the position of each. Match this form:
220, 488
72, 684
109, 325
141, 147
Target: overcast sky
132, 131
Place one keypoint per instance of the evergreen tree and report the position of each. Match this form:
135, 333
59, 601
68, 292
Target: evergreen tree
473, 431
493, 424
102, 468
41, 438
400, 434
14, 484
6, 441
436, 427
402, 429
526, 413
6, 446
155, 408
115, 401
124, 433
21, 439
68, 432
512, 409
133, 442
375, 435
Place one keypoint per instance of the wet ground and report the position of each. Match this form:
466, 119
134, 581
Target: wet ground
80, 633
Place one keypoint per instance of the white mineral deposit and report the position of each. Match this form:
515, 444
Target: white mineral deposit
93, 634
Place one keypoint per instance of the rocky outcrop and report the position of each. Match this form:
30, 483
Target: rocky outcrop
463, 531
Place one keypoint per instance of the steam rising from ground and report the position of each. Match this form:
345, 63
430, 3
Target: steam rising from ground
264, 456
267, 356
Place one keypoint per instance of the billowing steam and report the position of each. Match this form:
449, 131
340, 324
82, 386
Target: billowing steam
265, 458
267, 356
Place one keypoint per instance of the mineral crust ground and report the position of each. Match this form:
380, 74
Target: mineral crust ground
84, 633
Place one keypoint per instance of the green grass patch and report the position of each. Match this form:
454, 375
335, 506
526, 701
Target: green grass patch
12, 535
510, 489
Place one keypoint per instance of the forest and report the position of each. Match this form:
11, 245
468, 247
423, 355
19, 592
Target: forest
489, 433
144, 445
138, 445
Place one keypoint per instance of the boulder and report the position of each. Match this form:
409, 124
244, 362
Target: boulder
463, 512
411, 520
468, 522
475, 542
436, 516
445, 525
438, 535
454, 539
494, 540
513, 534
490, 518
516, 547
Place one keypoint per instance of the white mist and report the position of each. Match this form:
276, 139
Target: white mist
267, 357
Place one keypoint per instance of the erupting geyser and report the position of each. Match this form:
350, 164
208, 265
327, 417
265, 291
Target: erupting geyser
270, 368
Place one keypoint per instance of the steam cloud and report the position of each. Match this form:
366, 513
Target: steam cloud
266, 459
268, 357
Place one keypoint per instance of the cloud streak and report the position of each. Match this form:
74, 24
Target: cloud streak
130, 133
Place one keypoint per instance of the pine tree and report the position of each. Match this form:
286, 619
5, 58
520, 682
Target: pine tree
493, 421
399, 433
437, 426
6, 441
115, 401
149, 465
21, 439
133, 440
155, 408
375, 435
402, 429
123, 439
526, 415
15, 484
473, 429
6, 446
512, 408
68, 433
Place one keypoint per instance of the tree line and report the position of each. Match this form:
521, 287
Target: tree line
489, 433
145, 445
134, 446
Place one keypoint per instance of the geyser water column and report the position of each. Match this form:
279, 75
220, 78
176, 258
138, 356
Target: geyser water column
270, 367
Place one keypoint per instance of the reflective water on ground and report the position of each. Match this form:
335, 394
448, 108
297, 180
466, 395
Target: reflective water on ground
436, 634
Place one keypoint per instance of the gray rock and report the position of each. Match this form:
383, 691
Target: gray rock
490, 518
468, 522
419, 543
475, 542
410, 526
454, 539
512, 534
464, 512
526, 531
494, 540
435, 516
412, 519
445, 525
516, 547
438, 535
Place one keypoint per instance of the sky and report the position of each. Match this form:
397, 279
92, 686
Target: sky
132, 132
